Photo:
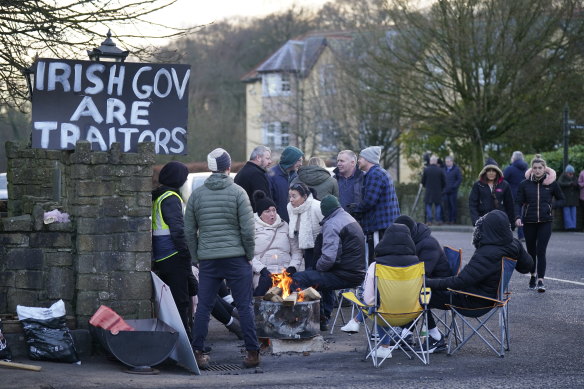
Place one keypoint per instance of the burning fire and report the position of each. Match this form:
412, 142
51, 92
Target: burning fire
283, 281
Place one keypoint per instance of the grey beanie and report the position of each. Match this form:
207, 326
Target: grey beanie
218, 160
371, 154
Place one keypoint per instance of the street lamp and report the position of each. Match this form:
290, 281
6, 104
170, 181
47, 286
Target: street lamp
109, 50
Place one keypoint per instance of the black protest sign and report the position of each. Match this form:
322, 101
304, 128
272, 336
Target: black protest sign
107, 102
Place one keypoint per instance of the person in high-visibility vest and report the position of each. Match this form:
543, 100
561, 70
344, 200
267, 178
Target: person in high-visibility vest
170, 253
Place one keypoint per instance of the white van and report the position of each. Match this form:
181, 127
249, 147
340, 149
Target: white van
3, 187
194, 180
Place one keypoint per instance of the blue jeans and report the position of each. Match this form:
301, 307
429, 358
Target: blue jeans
239, 276
325, 282
450, 203
438, 209
569, 217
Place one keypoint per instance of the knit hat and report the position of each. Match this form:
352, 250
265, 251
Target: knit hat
371, 154
290, 156
408, 222
218, 160
570, 169
328, 205
262, 202
173, 174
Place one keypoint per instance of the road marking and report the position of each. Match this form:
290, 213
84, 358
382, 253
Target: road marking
567, 281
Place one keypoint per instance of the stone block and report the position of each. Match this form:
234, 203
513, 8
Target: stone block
143, 261
86, 206
143, 200
4, 299
17, 223
95, 282
59, 258
29, 279
125, 261
139, 224
88, 243
24, 259
7, 278
279, 346
24, 297
86, 263
113, 207
144, 309
82, 153
136, 241
99, 157
93, 188
51, 240
13, 239
101, 225
60, 283
87, 303
107, 261
81, 172
137, 184
131, 285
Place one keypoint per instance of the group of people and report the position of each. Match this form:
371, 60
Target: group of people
325, 230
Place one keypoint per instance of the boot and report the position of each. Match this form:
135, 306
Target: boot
252, 359
235, 328
202, 359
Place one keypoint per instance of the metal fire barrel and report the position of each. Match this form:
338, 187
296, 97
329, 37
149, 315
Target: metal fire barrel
277, 321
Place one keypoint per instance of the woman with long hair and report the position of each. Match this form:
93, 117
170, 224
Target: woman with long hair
533, 212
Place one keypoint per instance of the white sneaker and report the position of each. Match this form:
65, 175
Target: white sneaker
351, 327
383, 352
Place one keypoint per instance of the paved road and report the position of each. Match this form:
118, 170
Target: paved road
547, 344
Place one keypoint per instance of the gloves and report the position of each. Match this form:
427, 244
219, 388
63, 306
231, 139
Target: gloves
265, 273
290, 270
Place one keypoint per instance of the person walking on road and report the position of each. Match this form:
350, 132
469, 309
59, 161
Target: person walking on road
514, 174
533, 210
220, 234
491, 192
569, 184
434, 180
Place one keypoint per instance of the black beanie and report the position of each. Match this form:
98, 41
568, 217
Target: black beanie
173, 174
262, 202
328, 205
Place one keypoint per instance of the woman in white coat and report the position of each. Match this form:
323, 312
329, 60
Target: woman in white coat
305, 217
274, 249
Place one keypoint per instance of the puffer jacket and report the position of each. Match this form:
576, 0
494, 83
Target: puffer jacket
343, 248
219, 220
570, 189
481, 202
282, 253
319, 179
482, 274
430, 252
397, 249
534, 197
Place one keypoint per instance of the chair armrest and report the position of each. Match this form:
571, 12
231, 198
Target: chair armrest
352, 298
476, 295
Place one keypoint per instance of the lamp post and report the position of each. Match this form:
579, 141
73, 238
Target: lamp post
568, 125
108, 50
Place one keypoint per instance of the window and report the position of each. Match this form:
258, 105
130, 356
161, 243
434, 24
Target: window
276, 84
327, 80
277, 135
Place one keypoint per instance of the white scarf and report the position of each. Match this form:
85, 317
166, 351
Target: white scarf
305, 235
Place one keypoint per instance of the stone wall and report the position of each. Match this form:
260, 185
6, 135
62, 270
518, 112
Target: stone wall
102, 256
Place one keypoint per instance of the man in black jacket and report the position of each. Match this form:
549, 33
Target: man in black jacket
493, 240
253, 175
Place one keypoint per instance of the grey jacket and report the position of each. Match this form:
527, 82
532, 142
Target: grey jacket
219, 221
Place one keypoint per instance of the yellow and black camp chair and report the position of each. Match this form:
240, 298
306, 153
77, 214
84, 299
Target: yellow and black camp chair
402, 299
476, 320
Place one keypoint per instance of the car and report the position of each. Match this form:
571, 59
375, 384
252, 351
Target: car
3, 187
194, 180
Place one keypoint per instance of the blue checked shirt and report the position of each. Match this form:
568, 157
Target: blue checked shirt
379, 205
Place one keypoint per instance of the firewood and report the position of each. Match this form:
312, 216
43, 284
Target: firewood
311, 294
290, 301
273, 291
276, 299
22, 366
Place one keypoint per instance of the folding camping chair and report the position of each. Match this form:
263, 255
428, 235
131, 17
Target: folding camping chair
402, 299
494, 307
454, 257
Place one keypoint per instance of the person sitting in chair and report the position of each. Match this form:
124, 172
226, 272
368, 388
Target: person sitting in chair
493, 240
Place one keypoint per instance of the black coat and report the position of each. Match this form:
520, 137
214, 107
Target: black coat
252, 177
483, 272
434, 180
534, 198
514, 174
430, 252
396, 248
482, 200
453, 179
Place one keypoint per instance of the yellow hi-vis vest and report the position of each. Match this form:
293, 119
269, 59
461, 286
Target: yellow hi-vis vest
162, 244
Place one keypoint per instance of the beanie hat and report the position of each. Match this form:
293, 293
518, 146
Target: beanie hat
328, 205
408, 222
290, 156
218, 160
262, 202
173, 174
371, 154
569, 169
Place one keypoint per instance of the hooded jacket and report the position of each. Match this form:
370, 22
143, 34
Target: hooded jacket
430, 252
319, 179
534, 197
219, 220
483, 200
515, 173
493, 241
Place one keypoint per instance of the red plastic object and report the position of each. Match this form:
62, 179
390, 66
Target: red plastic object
109, 320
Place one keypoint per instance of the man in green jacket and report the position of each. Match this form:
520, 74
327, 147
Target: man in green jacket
219, 230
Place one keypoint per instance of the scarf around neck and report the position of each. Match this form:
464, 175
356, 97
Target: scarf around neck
305, 233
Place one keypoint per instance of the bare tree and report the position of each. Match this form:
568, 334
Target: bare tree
65, 29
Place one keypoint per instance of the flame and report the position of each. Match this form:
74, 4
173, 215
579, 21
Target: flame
300, 295
282, 281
